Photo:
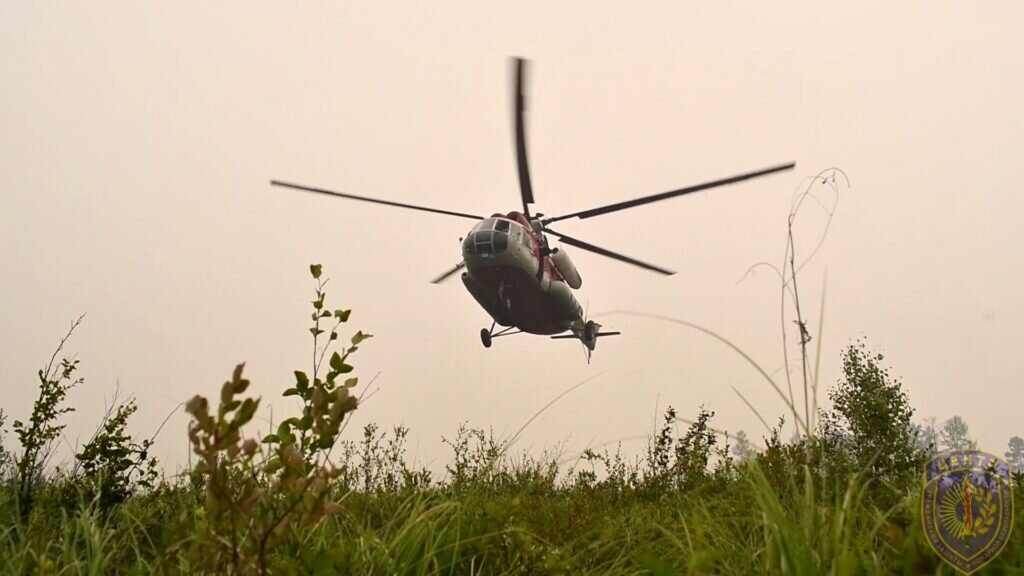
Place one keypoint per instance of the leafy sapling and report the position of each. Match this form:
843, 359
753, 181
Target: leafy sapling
112, 465
37, 435
325, 400
252, 498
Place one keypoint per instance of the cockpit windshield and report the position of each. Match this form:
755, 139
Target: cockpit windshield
488, 237
500, 224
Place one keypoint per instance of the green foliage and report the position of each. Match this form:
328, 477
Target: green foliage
254, 501
476, 456
742, 523
377, 462
226, 538
36, 436
305, 501
616, 475
870, 426
112, 466
680, 462
326, 401
6, 458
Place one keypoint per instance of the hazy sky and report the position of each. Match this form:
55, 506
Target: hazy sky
137, 141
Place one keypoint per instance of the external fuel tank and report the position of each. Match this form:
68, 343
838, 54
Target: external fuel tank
566, 268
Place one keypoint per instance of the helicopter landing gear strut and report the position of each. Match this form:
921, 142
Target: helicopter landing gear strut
487, 336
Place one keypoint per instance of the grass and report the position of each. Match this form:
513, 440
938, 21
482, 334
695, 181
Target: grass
499, 518
841, 499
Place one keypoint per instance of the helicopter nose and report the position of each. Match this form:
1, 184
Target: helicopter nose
485, 243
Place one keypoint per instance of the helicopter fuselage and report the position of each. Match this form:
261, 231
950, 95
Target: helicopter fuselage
507, 265
510, 274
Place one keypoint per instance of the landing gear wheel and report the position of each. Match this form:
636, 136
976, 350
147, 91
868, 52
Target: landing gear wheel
589, 330
485, 337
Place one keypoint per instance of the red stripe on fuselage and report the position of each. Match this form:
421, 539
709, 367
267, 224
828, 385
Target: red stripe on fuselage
549, 266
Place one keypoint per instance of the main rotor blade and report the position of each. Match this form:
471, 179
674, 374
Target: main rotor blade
666, 195
448, 274
525, 186
373, 200
605, 252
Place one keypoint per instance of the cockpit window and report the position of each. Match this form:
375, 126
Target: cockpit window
489, 237
493, 224
487, 224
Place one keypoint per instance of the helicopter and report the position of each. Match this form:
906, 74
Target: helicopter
507, 264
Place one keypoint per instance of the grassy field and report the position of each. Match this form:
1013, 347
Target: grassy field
842, 497
775, 514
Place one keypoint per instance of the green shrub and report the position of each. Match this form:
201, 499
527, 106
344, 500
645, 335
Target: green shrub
112, 466
254, 501
37, 435
303, 501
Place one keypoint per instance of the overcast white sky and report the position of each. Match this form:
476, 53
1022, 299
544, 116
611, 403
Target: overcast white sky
137, 141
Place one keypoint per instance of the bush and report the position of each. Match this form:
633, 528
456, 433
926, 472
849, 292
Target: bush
112, 466
254, 501
844, 501
870, 426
